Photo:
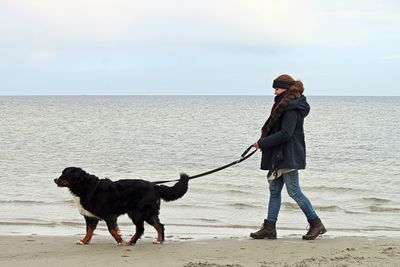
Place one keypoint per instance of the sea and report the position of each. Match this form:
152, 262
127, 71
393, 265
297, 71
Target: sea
352, 176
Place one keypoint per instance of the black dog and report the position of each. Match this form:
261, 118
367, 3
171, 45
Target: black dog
103, 199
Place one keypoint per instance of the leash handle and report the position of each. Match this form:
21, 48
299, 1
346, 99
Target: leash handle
246, 151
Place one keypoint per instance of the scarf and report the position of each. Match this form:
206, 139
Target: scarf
281, 102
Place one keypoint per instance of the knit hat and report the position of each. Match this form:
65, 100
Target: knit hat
283, 81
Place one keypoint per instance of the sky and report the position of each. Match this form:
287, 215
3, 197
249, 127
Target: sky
198, 47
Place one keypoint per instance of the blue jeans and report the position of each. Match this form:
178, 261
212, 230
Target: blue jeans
291, 180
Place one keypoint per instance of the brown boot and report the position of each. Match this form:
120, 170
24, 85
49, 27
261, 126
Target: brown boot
267, 230
316, 229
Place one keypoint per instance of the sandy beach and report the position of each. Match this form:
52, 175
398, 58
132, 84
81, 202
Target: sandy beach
233, 252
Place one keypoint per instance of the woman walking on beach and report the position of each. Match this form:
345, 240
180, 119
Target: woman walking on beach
284, 153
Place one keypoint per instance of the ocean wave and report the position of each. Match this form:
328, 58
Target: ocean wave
236, 192
31, 202
329, 208
376, 200
190, 206
383, 209
239, 226
332, 189
243, 206
25, 223
294, 206
202, 223
73, 224
334, 208
208, 220
211, 225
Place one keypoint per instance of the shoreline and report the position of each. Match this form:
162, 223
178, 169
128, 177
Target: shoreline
233, 252
191, 232
188, 231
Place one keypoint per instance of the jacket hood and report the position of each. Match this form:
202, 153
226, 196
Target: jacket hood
300, 104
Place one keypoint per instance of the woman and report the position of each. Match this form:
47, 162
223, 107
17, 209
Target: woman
284, 153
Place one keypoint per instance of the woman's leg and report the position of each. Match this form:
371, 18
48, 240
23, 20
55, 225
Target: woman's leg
293, 187
268, 229
274, 205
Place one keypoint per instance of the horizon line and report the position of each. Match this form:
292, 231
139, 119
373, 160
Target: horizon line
187, 95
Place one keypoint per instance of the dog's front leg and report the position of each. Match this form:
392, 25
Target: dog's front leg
91, 224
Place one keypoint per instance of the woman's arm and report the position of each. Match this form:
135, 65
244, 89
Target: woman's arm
289, 122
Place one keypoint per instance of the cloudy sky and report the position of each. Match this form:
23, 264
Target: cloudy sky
196, 47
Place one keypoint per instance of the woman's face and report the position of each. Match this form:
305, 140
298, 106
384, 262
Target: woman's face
279, 91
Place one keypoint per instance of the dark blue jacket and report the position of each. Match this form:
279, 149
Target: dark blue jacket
284, 147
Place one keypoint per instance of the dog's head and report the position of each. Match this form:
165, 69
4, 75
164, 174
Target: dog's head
70, 176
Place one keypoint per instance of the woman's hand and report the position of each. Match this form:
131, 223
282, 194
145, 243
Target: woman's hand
256, 145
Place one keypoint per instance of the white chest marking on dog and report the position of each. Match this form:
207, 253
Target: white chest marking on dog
82, 209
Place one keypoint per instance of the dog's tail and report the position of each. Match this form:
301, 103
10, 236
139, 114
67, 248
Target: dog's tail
169, 193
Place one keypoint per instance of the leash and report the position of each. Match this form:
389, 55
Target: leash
243, 157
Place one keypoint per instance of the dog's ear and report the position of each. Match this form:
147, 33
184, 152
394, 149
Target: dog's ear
68, 170
73, 173
78, 172
72, 170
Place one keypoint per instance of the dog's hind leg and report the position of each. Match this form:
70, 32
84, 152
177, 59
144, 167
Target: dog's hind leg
113, 229
91, 224
155, 222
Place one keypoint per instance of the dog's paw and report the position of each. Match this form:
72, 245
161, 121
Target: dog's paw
81, 242
124, 243
157, 242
